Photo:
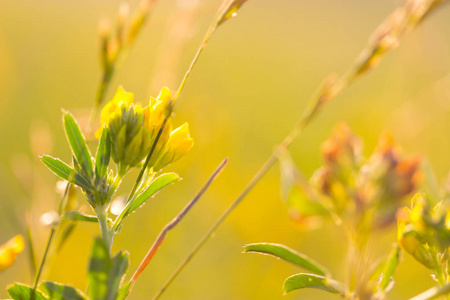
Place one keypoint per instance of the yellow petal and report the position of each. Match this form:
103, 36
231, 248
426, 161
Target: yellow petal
10, 250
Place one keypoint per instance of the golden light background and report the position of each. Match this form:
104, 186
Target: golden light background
246, 92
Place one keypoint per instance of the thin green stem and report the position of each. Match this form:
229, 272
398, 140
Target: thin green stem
139, 178
102, 220
49, 242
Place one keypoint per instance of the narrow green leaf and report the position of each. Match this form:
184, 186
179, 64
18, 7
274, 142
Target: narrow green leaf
124, 291
433, 293
288, 255
75, 215
105, 273
154, 187
58, 291
103, 154
302, 281
77, 142
19, 291
64, 171
389, 268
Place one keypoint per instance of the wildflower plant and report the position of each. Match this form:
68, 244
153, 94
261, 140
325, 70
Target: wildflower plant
363, 195
130, 136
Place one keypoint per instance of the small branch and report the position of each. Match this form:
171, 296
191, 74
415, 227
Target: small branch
175, 221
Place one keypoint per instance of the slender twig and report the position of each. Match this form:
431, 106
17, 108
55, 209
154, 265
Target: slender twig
49, 242
175, 221
171, 107
139, 178
31, 252
368, 59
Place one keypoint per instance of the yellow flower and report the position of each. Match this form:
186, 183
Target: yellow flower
10, 250
120, 99
178, 145
134, 129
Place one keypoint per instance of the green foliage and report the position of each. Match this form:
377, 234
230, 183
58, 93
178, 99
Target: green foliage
155, 186
64, 171
78, 145
19, 291
302, 281
103, 154
57, 291
288, 255
389, 268
75, 215
105, 273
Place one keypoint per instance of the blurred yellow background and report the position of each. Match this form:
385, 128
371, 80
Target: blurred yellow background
248, 89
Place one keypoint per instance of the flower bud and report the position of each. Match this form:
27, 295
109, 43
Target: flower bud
178, 145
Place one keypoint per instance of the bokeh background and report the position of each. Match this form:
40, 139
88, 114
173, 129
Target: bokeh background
248, 89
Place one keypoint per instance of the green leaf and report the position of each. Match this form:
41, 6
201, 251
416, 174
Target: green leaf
78, 144
433, 293
58, 291
19, 291
389, 268
154, 187
64, 171
105, 273
302, 281
75, 215
103, 154
288, 255
124, 291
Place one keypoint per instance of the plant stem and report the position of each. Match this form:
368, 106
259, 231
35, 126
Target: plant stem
139, 178
49, 242
102, 220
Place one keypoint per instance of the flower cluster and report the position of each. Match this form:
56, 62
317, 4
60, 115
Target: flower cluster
134, 129
350, 186
424, 232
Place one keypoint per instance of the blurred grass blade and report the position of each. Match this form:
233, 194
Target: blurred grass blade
19, 291
389, 268
433, 293
105, 274
78, 144
57, 291
154, 187
229, 10
302, 281
64, 171
288, 255
103, 154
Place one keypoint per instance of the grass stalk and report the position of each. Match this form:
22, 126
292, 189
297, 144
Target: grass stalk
175, 221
